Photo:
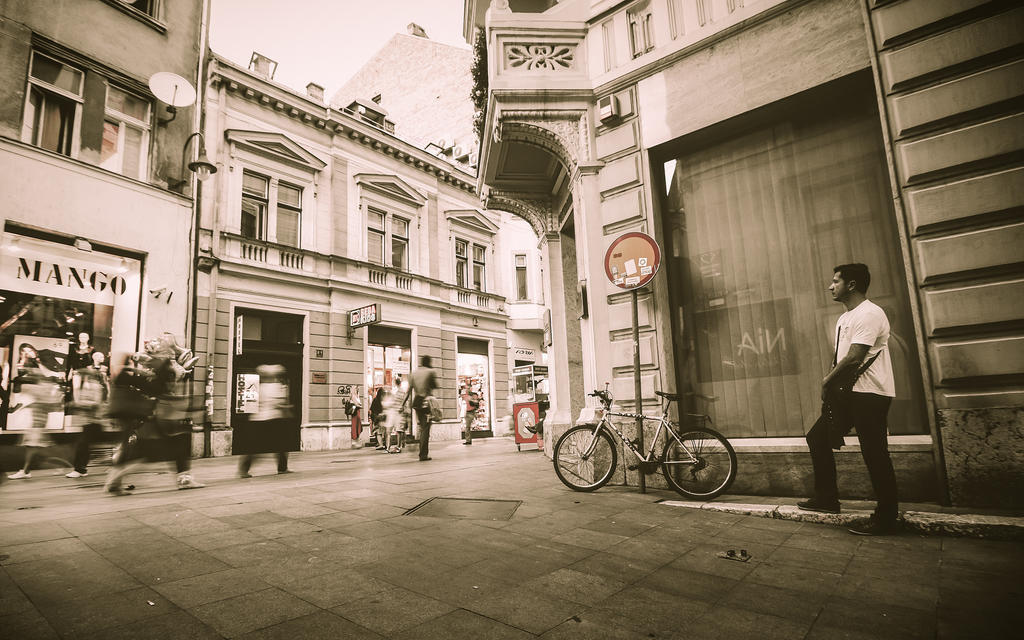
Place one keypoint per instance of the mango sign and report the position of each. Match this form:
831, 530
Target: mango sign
632, 260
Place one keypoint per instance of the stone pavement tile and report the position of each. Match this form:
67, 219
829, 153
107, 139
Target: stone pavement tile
724, 621
796, 578
12, 600
318, 540
652, 551
378, 511
596, 624
886, 620
654, 613
254, 519
689, 584
39, 550
178, 625
823, 561
871, 590
895, 569
464, 588
69, 577
210, 587
801, 606
137, 542
518, 567
417, 571
98, 524
333, 588
585, 588
704, 558
254, 553
589, 538
234, 616
803, 539
16, 534
220, 539
995, 556
277, 530
770, 524
335, 520
608, 565
392, 610
739, 535
302, 509
162, 568
371, 530
958, 578
623, 523
232, 509
322, 625
463, 624
288, 570
535, 612
540, 526
27, 625
74, 618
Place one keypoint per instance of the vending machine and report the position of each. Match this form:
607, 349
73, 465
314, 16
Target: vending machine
531, 402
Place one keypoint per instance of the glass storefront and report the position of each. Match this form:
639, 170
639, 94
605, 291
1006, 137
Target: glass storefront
473, 374
754, 225
63, 311
388, 359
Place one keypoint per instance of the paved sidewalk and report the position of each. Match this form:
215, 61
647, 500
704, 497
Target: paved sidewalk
328, 553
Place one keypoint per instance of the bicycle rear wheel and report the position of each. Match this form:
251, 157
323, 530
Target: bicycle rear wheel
584, 461
701, 464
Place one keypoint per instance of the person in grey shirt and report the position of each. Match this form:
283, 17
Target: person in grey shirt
423, 382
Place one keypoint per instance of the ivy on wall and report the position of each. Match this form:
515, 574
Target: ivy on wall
479, 71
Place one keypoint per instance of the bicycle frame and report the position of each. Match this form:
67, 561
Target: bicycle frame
663, 425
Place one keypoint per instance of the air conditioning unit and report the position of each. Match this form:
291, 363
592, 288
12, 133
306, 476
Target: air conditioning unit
607, 108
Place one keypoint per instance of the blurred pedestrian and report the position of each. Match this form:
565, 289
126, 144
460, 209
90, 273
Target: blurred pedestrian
40, 393
90, 389
378, 417
273, 428
423, 382
151, 405
472, 407
398, 412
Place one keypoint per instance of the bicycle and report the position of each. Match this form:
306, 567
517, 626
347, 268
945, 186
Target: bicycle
699, 463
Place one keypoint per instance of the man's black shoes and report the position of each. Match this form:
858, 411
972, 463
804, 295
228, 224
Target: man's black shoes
820, 507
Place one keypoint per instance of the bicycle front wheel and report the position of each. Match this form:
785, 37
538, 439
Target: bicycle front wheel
701, 464
584, 460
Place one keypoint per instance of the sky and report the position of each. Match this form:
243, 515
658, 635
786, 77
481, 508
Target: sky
324, 41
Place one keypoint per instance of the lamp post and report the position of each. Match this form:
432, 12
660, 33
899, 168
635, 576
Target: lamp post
201, 166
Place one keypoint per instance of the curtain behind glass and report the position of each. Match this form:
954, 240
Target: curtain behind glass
755, 226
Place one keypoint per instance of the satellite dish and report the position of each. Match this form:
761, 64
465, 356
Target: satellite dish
171, 88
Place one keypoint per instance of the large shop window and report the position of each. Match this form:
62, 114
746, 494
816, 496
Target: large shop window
63, 313
473, 372
388, 360
755, 224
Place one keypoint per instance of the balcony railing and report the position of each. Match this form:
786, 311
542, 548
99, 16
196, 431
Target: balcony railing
268, 255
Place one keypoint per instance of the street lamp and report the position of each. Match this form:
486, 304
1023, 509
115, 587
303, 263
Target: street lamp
201, 166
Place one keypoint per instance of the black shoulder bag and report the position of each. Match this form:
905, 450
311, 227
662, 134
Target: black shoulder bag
836, 409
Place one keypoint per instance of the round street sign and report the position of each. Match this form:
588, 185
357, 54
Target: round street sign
632, 260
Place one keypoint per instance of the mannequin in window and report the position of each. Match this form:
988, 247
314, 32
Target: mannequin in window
81, 354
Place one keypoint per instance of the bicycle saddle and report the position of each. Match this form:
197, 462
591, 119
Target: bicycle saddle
670, 396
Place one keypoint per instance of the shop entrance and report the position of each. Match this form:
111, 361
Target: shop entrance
266, 338
473, 366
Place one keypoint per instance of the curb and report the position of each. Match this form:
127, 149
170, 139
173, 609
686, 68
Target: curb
921, 522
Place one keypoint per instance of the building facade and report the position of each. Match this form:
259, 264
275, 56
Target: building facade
762, 142
98, 216
343, 252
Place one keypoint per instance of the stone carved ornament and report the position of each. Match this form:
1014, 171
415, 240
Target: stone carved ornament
548, 57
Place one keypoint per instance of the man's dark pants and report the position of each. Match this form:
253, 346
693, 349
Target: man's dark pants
423, 422
868, 412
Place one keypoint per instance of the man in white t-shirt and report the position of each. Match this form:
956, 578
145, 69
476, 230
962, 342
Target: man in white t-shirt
861, 352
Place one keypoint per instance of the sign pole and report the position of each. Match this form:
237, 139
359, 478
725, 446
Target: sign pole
637, 392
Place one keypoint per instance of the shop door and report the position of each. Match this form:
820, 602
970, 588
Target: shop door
473, 367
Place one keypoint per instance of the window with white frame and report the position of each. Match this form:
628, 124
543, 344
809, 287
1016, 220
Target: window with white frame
387, 235
608, 42
479, 267
289, 210
147, 7
53, 104
255, 190
125, 134
461, 263
641, 28
375, 235
522, 290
